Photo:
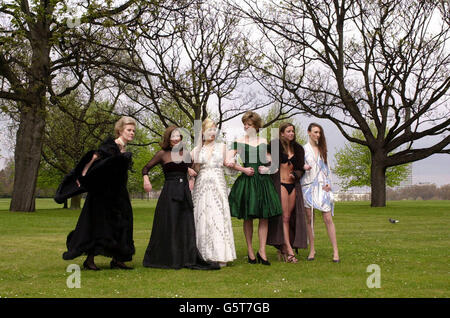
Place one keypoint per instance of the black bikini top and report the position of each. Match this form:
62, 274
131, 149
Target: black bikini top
284, 158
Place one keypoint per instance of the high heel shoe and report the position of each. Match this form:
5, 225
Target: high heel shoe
261, 260
291, 259
251, 261
91, 267
311, 258
115, 264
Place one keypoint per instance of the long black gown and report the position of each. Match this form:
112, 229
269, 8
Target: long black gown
105, 225
173, 242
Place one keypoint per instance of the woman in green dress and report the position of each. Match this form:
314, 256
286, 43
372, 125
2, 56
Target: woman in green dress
253, 195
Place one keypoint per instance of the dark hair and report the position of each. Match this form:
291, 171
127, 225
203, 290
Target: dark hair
165, 143
322, 141
285, 143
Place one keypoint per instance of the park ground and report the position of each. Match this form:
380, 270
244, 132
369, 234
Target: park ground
412, 258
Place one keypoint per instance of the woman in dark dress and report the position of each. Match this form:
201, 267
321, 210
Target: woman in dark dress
173, 241
253, 195
105, 225
288, 231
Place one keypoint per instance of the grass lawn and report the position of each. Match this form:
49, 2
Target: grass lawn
413, 256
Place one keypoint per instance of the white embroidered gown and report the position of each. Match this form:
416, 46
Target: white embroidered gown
214, 232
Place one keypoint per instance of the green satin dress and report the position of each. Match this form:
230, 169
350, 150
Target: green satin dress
253, 197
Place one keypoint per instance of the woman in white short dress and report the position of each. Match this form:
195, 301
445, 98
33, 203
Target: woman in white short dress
214, 230
316, 186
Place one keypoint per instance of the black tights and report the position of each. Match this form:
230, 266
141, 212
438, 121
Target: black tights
90, 259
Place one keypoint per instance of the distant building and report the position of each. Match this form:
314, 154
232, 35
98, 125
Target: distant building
351, 196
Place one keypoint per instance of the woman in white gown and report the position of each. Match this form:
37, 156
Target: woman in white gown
316, 186
215, 240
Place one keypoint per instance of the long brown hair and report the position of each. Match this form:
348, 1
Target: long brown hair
165, 143
322, 141
285, 143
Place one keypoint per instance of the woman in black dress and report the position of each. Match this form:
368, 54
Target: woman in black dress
173, 241
105, 225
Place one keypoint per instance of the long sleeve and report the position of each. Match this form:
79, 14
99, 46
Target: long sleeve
157, 158
309, 175
300, 162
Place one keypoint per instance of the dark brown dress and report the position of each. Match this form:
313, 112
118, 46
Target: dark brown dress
297, 223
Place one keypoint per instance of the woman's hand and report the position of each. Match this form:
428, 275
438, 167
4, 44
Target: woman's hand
263, 170
291, 176
78, 183
192, 172
327, 188
229, 164
249, 171
147, 184
307, 167
147, 187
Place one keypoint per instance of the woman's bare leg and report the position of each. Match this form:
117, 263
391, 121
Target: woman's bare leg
248, 232
310, 231
262, 233
328, 219
288, 205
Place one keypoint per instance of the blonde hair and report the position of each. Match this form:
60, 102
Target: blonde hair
254, 118
121, 123
207, 123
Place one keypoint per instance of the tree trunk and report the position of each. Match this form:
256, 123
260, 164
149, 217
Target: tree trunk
29, 140
27, 157
75, 202
378, 183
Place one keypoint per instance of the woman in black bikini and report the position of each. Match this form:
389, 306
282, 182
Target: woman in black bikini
288, 231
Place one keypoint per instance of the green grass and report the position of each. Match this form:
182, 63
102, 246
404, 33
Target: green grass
413, 256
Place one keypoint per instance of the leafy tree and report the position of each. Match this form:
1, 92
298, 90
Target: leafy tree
38, 46
143, 150
353, 163
77, 125
7, 178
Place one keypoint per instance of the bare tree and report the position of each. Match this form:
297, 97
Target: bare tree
445, 10
358, 61
39, 45
201, 62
